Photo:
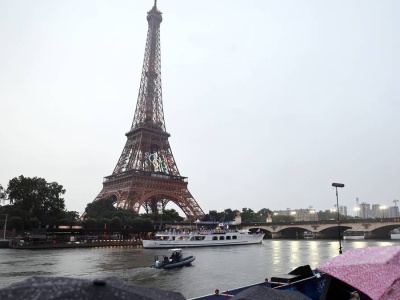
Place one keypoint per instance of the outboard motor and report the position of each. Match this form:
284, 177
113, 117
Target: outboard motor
158, 264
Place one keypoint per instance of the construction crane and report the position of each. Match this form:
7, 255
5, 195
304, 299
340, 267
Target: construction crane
395, 202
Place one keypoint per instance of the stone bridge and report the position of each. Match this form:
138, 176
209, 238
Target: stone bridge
329, 229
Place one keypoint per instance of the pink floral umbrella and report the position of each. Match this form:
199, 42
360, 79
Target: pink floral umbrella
375, 271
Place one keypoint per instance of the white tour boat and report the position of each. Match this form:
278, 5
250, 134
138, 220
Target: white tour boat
202, 238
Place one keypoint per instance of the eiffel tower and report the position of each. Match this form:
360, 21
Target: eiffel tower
146, 174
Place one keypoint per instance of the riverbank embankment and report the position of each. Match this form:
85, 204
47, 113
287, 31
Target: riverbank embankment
5, 243
89, 244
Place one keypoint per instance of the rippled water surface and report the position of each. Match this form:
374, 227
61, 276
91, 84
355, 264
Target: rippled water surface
215, 267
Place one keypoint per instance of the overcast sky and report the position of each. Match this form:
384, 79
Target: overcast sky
267, 102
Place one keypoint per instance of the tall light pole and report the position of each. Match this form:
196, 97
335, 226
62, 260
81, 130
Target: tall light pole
5, 227
340, 185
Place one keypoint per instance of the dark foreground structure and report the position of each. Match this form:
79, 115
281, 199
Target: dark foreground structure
46, 288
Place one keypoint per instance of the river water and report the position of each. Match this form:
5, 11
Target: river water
215, 267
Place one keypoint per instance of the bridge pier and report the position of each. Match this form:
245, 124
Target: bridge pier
276, 235
370, 235
317, 235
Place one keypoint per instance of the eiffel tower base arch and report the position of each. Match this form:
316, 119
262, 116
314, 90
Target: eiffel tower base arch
150, 191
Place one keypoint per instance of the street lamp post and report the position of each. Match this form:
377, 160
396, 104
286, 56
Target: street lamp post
340, 185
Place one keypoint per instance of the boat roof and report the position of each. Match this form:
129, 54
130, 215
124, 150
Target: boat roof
175, 249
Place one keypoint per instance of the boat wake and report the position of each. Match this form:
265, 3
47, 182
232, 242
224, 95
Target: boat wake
141, 274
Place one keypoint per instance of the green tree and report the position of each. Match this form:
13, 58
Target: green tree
72, 216
262, 214
223, 216
126, 215
15, 223
213, 215
90, 223
207, 217
115, 223
150, 217
171, 215
11, 211
3, 194
101, 208
32, 223
37, 198
248, 215
141, 224
63, 222
327, 215
229, 214
103, 223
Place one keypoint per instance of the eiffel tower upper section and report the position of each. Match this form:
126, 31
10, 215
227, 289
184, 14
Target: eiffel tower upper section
149, 113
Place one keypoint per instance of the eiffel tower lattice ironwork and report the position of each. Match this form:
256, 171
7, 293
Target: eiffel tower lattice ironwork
146, 174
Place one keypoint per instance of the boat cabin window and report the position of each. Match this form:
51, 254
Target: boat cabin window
215, 238
199, 238
221, 238
228, 237
234, 237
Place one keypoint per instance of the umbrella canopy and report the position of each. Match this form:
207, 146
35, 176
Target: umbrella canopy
375, 271
266, 293
46, 288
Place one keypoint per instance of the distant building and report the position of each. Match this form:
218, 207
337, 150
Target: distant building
384, 212
393, 212
365, 210
343, 210
299, 214
376, 211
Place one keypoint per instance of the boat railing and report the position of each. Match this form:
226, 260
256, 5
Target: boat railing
271, 284
279, 285
197, 232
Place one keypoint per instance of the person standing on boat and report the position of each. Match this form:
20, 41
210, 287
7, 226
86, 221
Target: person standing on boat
354, 296
174, 256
